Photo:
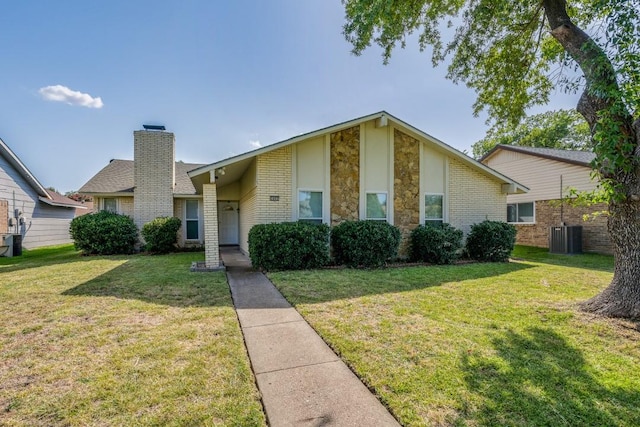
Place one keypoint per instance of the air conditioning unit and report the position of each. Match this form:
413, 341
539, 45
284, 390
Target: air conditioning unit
6, 245
565, 239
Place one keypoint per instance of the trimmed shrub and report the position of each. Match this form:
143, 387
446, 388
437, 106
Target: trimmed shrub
436, 244
104, 233
161, 234
364, 243
491, 241
289, 245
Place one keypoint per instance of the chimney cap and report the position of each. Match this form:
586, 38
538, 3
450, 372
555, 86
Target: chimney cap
154, 127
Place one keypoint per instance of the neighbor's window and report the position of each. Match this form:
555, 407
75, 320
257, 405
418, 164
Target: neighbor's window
521, 212
377, 206
110, 204
434, 209
310, 206
192, 220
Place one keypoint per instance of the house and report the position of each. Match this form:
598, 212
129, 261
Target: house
38, 216
550, 173
373, 167
151, 185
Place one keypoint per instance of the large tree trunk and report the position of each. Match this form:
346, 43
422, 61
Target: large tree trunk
622, 297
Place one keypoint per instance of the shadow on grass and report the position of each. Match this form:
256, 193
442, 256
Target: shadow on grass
40, 257
542, 255
537, 378
162, 279
315, 286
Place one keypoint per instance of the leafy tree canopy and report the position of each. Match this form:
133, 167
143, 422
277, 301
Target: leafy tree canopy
563, 129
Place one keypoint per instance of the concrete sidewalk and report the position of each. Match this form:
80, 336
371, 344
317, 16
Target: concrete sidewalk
302, 381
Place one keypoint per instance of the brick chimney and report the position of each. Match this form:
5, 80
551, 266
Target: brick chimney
154, 155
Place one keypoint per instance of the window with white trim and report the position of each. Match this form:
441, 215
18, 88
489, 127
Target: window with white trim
110, 204
192, 220
521, 213
434, 208
310, 206
376, 204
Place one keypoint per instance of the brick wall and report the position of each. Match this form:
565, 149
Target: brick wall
406, 186
345, 175
212, 250
154, 175
4, 216
273, 179
595, 237
473, 197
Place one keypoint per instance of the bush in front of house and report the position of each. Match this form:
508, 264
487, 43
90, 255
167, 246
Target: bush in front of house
364, 243
491, 241
161, 234
104, 233
437, 244
289, 246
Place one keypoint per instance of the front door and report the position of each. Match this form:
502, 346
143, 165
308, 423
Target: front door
228, 223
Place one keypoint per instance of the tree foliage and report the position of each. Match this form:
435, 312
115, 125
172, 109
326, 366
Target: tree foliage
562, 129
513, 54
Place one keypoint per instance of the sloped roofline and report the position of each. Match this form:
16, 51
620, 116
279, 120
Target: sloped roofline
23, 170
524, 150
348, 124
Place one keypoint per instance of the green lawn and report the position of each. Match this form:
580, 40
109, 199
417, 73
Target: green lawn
480, 344
138, 340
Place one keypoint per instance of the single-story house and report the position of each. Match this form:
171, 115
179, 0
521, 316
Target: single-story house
373, 167
39, 216
549, 174
151, 185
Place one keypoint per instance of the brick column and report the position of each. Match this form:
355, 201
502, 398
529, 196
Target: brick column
212, 249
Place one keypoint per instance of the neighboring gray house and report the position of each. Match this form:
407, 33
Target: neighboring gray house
39, 215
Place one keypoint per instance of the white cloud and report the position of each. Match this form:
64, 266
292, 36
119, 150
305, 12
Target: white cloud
61, 93
255, 144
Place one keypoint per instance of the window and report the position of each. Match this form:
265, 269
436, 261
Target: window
110, 204
521, 212
192, 220
377, 206
434, 209
310, 206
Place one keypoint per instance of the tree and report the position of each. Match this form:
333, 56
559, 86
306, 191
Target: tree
513, 54
563, 129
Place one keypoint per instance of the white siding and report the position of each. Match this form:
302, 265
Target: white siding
310, 162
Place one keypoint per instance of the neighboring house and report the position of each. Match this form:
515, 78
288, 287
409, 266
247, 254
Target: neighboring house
549, 174
374, 167
151, 185
40, 216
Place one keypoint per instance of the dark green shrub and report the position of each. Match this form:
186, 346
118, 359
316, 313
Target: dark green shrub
364, 243
436, 244
104, 233
491, 241
289, 245
161, 234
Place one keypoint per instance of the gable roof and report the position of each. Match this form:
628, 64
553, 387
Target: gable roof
575, 157
384, 117
47, 196
118, 177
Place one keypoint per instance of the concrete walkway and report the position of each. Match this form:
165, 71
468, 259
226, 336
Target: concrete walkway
302, 381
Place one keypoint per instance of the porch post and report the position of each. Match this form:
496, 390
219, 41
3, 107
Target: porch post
212, 250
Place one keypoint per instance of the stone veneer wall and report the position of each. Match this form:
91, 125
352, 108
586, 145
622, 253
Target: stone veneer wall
595, 237
473, 197
4, 216
273, 180
406, 186
247, 218
345, 175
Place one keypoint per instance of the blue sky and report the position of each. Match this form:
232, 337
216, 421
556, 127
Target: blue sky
79, 77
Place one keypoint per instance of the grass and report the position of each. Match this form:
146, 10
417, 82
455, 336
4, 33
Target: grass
480, 344
139, 340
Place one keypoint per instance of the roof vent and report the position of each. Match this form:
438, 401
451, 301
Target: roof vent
153, 127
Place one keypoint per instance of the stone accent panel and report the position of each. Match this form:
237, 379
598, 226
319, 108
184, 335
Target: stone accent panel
212, 250
595, 237
406, 186
247, 218
345, 175
4, 216
473, 197
273, 180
